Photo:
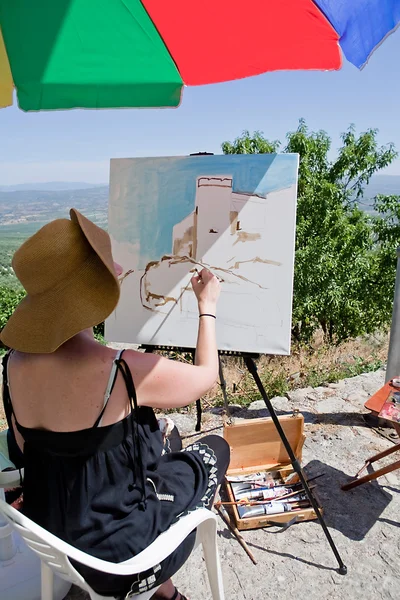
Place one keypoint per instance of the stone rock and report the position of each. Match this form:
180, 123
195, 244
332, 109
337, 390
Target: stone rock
256, 405
333, 405
358, 397
372, 383
184, 422
336, 386
324, 392
282, 403
300, 395
313, 396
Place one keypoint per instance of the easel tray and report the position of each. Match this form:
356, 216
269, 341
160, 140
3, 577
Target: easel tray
257, 448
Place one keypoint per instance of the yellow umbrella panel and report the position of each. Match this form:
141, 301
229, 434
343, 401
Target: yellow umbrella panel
6, 81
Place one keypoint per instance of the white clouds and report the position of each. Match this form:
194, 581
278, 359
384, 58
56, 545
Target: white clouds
12, 173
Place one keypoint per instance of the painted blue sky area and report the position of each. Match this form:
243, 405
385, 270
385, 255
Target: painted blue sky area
160, 192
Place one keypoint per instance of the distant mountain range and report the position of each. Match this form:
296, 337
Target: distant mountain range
388, 185
51, 186
383, 184
379, 184
28, 206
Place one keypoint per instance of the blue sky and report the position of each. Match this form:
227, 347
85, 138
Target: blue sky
77, 145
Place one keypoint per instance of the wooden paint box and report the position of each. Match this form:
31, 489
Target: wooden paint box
256, 447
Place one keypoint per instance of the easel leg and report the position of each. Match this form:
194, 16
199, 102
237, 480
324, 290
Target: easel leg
198, 403
199, 413
222, 513
371, 476
388, 469
251, 365
377, 457
223, 388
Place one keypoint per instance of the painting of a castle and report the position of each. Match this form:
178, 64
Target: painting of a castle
232, 214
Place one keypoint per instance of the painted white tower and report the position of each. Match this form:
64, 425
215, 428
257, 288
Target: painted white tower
213, 206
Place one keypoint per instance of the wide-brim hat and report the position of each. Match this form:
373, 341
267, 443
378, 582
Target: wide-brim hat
67, 270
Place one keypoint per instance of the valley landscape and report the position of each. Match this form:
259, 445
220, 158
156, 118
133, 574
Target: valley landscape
25, 208
23, 211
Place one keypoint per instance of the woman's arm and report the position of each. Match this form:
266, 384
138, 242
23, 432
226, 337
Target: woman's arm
163, 383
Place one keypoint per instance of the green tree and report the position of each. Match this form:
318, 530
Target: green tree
9, 298
247, 143
340, 250
386, 227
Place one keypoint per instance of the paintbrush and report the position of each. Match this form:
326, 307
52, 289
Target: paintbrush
259, 484
249, 502
215, 275
225, 517
296, 493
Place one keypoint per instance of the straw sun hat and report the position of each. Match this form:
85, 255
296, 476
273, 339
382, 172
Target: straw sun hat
68, 272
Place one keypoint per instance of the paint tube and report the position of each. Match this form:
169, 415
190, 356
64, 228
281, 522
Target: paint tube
267, 479
261, 493
273, 508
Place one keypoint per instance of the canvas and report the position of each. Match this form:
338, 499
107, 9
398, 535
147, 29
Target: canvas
233, 214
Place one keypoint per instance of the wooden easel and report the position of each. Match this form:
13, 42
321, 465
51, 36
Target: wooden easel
374, 404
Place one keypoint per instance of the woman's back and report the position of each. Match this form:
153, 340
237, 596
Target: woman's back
64, 390
108, 490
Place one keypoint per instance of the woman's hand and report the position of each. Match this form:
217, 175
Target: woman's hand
163, 383
207, 289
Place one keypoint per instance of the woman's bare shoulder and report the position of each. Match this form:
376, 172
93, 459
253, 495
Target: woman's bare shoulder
141, 363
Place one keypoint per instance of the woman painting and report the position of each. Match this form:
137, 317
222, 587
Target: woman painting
81, 417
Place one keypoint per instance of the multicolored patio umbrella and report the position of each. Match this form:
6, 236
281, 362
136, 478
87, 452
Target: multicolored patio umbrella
63, 54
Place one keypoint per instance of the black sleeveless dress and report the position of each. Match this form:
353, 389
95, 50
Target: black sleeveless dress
111, 490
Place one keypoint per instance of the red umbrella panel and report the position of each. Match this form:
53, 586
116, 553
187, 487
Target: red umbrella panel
220, 40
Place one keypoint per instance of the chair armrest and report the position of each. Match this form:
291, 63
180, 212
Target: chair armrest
162, 547
168, 541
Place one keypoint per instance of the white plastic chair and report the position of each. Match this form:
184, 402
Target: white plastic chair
55, 554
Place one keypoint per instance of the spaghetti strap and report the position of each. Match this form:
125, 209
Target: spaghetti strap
109, 388
7, 402
14, 451
137, 463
